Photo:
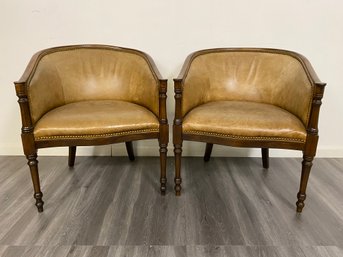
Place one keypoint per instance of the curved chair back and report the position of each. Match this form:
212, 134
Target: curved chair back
76, 73
269, 76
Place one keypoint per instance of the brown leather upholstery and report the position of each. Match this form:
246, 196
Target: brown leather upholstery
85, 95
244, 120
77, 74
262, 77
94, 119
248, 97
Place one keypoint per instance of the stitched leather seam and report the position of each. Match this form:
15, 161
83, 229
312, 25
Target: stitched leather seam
97, 135
245, 137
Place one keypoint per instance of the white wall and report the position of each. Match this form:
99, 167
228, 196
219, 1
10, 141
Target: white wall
169, 30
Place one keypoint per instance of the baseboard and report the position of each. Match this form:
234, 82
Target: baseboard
189, 149
61, 151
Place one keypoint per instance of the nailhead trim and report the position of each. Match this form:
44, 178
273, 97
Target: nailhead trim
96, 136
245, 137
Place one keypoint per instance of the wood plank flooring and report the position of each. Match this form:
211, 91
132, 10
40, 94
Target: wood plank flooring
109, 206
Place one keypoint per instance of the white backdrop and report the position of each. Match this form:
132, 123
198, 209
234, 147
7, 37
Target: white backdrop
170, 30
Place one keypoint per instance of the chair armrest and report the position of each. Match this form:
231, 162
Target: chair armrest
41, 86
22, 94
311, 74
162, 88
178, 87
185, 67
318, 92
29, 70
153, 66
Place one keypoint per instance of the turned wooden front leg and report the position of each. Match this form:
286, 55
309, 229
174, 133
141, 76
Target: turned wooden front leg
164, 134
38, 195
305, 173
177, 138
177, 135
311, 143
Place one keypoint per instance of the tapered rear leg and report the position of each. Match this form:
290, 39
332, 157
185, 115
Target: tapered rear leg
208, 152
265, 157
129, 149
72, 153
38, 195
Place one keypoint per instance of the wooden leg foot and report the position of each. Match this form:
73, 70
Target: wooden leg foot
177, 186
39, 201
163, 162
177, 179
300, 202
163, 187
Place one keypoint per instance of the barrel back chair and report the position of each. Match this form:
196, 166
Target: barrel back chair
264, 98
90, 95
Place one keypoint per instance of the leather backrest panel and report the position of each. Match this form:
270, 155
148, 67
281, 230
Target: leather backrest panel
263, 77
78, 74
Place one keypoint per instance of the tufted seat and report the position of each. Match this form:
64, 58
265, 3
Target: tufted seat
85, 95
248, 97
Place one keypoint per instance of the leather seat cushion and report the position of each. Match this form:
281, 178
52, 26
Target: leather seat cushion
244, 120
92, 119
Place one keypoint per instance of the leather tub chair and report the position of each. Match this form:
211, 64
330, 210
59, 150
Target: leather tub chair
264, 98
91, 95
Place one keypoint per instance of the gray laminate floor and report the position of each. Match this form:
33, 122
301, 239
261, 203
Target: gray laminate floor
109, 206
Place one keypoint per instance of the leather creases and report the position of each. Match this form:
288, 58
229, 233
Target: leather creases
245, 121
83, 74
262, 77
94, 119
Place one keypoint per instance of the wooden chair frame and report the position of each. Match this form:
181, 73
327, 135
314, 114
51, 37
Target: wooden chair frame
30, 145
308, 148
